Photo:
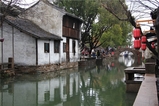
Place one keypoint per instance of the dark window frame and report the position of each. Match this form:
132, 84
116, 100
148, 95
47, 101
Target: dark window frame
74, 47
64, 47
56, 46
74, 25
46, 47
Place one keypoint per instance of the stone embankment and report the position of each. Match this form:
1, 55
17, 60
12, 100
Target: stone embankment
45, 68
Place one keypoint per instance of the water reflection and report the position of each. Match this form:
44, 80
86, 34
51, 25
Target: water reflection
126, 58
101, 86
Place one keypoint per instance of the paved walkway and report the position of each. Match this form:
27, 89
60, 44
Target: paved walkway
147, 95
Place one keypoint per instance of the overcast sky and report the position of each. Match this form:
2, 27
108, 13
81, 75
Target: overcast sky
28, 3
145, 14
142, 13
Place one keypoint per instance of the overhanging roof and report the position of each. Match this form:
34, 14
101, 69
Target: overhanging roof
30, 28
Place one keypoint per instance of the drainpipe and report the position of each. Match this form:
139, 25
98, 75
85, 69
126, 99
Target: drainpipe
60, 52
13, 47
49, 51
36, 51
1, 43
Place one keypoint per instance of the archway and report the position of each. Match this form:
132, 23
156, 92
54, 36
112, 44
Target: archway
136, 54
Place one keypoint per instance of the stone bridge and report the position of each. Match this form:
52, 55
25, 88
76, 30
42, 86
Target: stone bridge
136, 54
120, 50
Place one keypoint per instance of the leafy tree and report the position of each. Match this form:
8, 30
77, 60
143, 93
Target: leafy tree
119, 9
137, 9
104, 23
96, 20
113, 36
126, 33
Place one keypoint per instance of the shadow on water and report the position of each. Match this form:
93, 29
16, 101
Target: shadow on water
102, 85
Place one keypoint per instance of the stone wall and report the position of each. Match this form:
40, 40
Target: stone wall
45, 68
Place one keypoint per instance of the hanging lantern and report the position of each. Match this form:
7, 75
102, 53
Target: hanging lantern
152, 45
136, 33
137, 44
112, 64
143, 46
143, 39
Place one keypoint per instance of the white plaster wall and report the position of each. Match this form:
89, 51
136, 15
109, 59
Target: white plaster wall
74, 58
50, 19
24, 47
46, 17
63, 54
47, 58
7, 44
54, 57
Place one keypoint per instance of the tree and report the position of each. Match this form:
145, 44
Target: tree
141, 8
105, 22
113, 37
12, 8
118, 35
96, 20
87, 10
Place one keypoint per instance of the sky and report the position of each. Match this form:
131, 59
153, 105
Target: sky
137, 15
142, 13
30, 2
23, 3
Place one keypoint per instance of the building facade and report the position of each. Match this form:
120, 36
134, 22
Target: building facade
43, 34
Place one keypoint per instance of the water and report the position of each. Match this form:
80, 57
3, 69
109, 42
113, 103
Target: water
100, 86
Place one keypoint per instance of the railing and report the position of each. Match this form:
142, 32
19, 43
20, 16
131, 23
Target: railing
7, 66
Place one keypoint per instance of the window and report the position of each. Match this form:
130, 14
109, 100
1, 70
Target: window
47, 95
56, 46
64, 47
46, 48
73, 47
73, 26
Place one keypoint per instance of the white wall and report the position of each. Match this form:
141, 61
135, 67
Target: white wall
74, 58
24, 46
63, 54
47, 58
50, 18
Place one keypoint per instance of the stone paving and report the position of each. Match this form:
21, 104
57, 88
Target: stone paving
147, 94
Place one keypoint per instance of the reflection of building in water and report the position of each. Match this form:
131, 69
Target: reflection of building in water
56, 90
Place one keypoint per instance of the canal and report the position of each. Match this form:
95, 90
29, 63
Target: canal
102, 85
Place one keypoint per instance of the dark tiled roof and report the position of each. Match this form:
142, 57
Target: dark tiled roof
30, 28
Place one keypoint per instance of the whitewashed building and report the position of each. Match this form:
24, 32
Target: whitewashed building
43, 34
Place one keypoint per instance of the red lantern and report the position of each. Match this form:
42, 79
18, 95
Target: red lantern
137, 44
112, 64
152, 45
136, 33
143, 39
143, 46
